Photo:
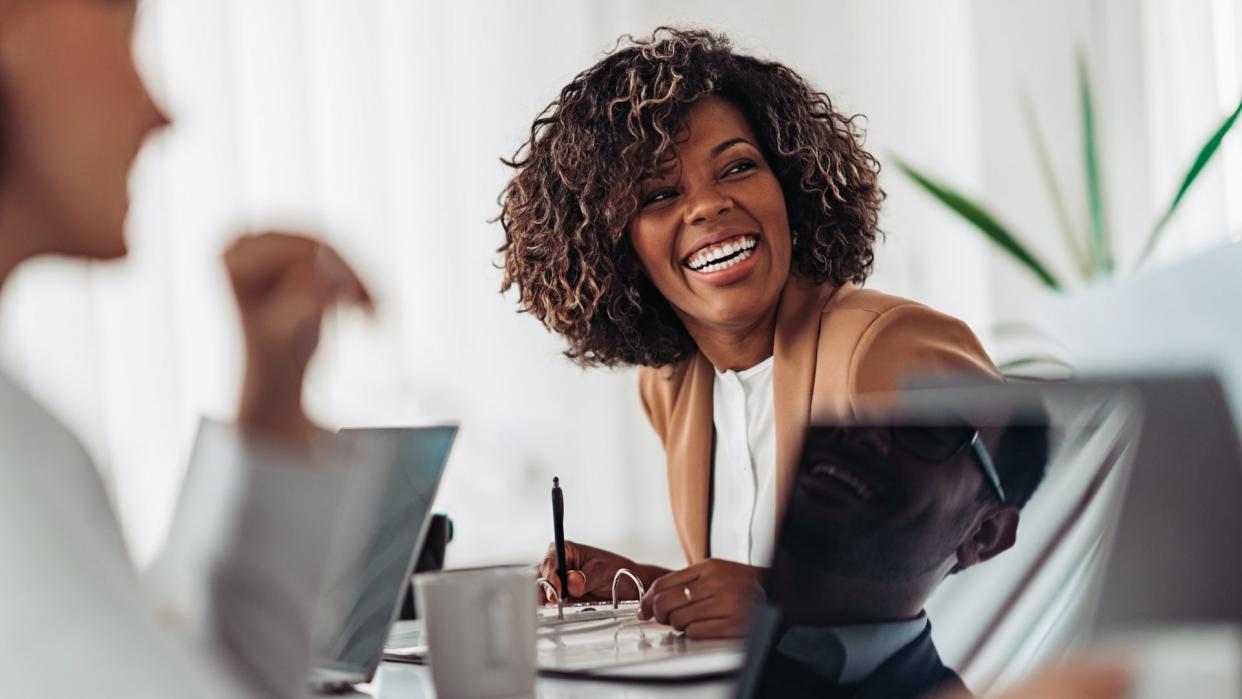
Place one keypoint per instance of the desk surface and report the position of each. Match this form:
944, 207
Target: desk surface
401, 681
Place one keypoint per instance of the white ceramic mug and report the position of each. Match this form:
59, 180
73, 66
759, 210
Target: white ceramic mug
480, 630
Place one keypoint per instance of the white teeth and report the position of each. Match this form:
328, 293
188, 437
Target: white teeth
711, 259
717, 266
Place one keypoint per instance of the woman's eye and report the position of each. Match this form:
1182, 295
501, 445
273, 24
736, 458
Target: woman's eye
658, 196
740, 166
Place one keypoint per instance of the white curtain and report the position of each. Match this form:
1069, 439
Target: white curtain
379, 124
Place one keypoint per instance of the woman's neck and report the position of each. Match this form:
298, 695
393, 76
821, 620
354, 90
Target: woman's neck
735, 348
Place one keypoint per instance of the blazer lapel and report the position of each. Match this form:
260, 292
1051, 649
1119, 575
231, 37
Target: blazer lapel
691, 447
793, 379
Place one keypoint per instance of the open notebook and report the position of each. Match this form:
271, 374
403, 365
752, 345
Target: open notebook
599, 641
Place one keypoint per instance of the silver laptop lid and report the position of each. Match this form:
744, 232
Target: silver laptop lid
370, 578
1172, 557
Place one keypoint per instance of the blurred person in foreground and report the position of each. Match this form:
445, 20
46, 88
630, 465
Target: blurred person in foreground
709, 217
76, 619
880, 516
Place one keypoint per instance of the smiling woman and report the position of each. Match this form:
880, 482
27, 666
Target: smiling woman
706, 215
604, 160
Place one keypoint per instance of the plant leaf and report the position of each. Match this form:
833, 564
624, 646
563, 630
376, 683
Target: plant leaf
1017, 328
1098, 242
1042, 367
1029, 360
977, 216
1201, 160
1069, 234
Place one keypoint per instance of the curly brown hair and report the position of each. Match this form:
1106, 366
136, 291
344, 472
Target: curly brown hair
566, 211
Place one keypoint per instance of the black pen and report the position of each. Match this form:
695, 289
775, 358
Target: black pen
558, 528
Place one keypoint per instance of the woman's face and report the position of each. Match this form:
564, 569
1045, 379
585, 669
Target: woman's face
712, 232
73, 115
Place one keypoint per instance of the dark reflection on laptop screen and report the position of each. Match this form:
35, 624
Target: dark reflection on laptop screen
883, 516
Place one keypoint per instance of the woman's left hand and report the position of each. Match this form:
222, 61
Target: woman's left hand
710, 599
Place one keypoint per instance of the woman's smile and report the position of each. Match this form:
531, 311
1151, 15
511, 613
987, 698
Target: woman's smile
725, 262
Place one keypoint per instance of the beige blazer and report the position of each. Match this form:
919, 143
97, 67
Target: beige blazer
833, 344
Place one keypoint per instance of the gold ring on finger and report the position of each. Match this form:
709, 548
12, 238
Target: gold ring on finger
686, 591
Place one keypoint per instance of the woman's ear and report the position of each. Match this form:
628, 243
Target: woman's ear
995, 531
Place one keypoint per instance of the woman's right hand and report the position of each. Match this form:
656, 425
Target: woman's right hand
591, 571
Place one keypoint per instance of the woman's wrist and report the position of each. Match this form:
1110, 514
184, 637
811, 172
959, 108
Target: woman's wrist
271, 406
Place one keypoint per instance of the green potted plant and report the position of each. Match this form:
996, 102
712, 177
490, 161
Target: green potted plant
1091, 252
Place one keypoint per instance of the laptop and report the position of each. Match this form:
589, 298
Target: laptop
369, 579
1165, 567
1181, 501
983, 617
1172, 556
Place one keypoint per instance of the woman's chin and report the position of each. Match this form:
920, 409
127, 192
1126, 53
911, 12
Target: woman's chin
739, 305
738, 314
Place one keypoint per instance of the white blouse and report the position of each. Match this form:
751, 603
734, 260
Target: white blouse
743, 524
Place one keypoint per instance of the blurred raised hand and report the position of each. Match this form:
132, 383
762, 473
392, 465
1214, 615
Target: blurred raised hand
284, 283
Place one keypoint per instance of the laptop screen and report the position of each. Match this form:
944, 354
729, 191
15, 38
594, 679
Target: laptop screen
372, 574
901, 517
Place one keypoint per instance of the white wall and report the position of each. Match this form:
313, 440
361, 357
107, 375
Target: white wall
1164, 75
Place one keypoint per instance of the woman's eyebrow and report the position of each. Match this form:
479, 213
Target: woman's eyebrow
726, 145
664, 171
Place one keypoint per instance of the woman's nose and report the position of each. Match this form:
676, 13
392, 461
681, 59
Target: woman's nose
707, 203
162, 120
157, 118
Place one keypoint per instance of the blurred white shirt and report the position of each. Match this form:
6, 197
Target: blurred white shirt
743, 526
226, 614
